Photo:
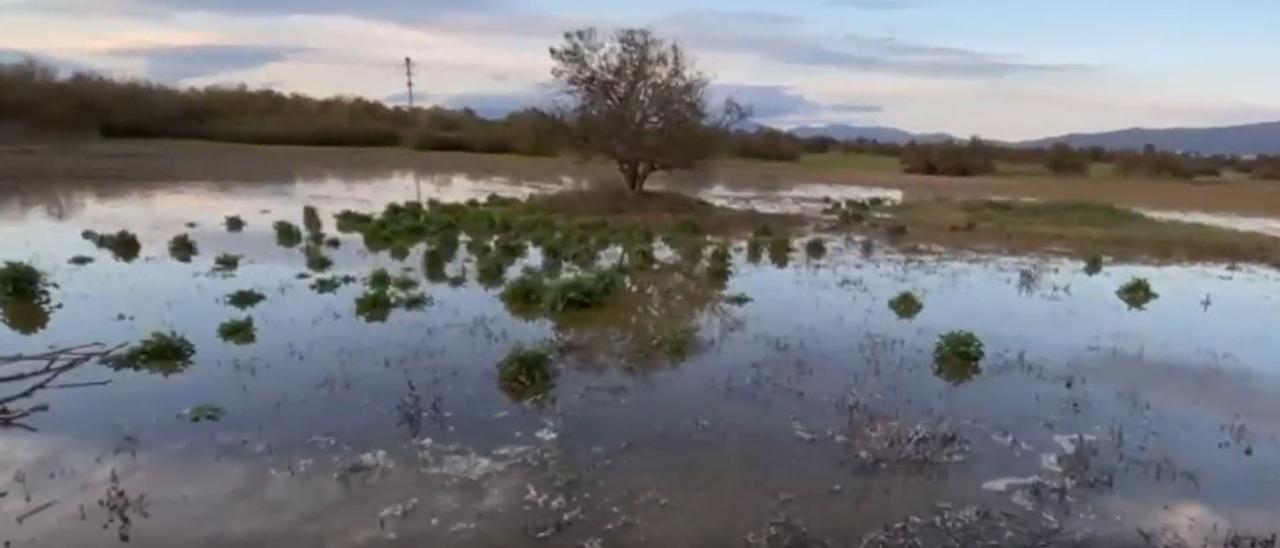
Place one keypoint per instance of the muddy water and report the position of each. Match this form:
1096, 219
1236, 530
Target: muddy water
812, 407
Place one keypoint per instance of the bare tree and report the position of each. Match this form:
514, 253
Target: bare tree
638, 101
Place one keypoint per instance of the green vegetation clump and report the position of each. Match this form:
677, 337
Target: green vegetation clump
1093, 265
226, 263
720, 265
906, 305
815, 248
330, 284
951, 159
244, 299
288, 235
311, 221
780, 250
1137, 293
21, 281
379, 280
234, 223
123, 245
1062, 159
317, 261
375, 306
162, 353
385, 293
526, 374
80, 260
755, 249
532, 290
182, 248
957, 357
238, 332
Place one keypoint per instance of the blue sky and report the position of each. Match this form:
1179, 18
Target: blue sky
998, 68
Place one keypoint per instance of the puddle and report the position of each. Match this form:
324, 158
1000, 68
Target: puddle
808, 199
1261, 225
793, 400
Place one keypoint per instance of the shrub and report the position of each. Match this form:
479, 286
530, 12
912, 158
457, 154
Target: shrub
234, 223
21, 281
526, 374
375, 306
226, 263
957, 356
815, 248
584, 291
311, 220
287, 234
768, 144
1093, 265
163, 353
123, 245
961, 160
906, 305
238, 332
244, 299
182, 248
1137, 293
525, 291
1062, 159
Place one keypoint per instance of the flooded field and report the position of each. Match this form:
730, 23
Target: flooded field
787, 393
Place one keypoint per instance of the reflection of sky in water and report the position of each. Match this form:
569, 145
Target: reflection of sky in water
1064, 356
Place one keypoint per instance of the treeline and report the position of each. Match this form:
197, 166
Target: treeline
35, 97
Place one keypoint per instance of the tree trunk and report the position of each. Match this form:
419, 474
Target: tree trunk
633, 175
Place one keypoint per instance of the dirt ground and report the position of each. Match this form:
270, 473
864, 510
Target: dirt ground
106, 162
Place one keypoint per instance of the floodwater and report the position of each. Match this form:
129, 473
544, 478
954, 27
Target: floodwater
811, 415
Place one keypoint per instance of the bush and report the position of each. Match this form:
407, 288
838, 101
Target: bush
21, 281
1137, 293
526, 374
123, 245
244, 299
815, 248
768, 144
957, 356
182, 248
906, 305
972, 158
226, 263
238, 332
1062, 159
163, 353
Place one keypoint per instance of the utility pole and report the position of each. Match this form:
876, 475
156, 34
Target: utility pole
408, 76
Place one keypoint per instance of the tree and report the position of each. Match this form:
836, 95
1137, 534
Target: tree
638, 101
1064, 160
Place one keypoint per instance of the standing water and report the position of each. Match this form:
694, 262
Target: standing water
799, 397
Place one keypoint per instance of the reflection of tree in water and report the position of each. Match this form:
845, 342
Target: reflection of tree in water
25, 316
652, 323
24, 376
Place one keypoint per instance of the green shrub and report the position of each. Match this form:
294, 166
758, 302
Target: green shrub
1137, 293
815, 248
234, 223
182, 248
525, 291
330, 284
1093, 265
311, 220
526, 374
906, 305
244, 299
21, 281
288, 235
226, 263
375, 306
123, 245
583, 291
238, 332
162, 353
957, 356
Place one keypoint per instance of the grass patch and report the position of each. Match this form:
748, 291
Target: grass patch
1076, 226
182, 248
123, 245
161, 353
379, 280
238, 332
852, 161
22, 282
1137, 293
245, 299
906, 305
957, 357
526, 374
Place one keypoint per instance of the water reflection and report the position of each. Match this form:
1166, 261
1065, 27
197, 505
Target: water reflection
25, 316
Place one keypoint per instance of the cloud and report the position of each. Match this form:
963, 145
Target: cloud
782, 39
773, 103
876, 4
177, 63
489, 104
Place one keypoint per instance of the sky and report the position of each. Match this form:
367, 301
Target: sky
1000, 69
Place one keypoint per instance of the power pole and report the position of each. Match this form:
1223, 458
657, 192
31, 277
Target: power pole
408, 76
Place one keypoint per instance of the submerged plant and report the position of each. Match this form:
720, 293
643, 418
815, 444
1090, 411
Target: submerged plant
311, 221
288, 235
162, 353
957, 357
906, 305
375, 306
123, 245
1093, 265
234, 223
204, 412
182, 248
22, 281
317, 261
238, 332
226, 263
526, 374
1137, 293
244, 299
815, 248
580, 292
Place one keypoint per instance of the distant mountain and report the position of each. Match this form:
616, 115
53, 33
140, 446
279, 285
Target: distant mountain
1247, 139
882, 134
